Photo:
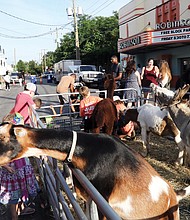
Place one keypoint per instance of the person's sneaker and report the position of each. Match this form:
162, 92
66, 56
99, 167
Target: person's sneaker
27, 211
3, 209
75, 116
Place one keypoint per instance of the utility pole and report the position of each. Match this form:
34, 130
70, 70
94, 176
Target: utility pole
76, 32
43, 52
75, 12
57, 38
41, 60
44, 60
15, 58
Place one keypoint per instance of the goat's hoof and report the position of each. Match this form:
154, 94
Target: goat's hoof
177, 163
144, 153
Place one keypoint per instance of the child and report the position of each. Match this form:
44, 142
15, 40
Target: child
75, 99
128, 131
18, 182
38, 102
87, 105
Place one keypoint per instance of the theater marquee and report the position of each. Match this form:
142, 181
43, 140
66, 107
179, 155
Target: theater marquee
153, 38
173, 35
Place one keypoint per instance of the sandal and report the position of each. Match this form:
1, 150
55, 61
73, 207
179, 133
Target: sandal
27, 211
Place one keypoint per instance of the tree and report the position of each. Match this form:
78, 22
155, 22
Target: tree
34, 68
98, 41
50, 60
66, 50
21, 66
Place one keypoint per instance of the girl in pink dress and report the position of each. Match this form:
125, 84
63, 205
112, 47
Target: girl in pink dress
17, 180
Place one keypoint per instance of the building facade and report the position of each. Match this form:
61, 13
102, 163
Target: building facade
158, 29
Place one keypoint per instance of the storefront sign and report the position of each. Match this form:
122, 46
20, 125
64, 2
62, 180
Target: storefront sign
180, 34
130, 42
173, 24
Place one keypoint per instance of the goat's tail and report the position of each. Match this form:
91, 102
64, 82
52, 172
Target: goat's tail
182, 193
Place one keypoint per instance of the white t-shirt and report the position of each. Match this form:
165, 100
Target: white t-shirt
7, 78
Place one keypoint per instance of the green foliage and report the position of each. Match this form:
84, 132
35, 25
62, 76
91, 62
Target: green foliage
50, 60
98, 38
31, 67
21, 66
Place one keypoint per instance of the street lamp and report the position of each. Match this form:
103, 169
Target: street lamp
75, 14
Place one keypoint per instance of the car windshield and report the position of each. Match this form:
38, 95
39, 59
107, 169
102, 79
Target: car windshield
88, 68
14, 74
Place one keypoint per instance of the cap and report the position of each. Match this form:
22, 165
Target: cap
115, 98
31, 87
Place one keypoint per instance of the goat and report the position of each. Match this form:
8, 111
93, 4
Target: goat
126, 180
152, 119
110, 85
178, 109
104, 117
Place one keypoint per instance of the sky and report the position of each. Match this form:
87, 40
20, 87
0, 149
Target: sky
24, 24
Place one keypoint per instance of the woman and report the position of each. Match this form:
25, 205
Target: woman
133, 81
150, 74
165, 75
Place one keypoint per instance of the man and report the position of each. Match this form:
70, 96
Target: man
116, 70
66, 85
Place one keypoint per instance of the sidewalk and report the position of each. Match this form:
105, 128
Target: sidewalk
39, 214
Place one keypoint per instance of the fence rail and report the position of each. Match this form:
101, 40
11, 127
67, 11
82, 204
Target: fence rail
59, 193
56, 185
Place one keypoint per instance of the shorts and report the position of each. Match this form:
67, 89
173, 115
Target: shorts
87, 124
63, 99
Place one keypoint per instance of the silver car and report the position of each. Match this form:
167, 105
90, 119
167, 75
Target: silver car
14, 77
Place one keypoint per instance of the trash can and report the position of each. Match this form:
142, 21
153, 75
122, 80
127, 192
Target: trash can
33, 79
49, 78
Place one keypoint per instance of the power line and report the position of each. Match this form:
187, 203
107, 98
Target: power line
34, 36
103, 7
92, 5
32, 22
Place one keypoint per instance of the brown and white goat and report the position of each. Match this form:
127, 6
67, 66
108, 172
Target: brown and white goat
178, 109
126, 180
152, 119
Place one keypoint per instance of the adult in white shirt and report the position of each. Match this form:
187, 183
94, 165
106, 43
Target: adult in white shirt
7, 79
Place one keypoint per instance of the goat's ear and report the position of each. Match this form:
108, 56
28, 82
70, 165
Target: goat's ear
4, 128
20, 132
181, 92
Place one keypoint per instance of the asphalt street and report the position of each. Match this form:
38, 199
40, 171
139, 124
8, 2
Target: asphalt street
47, 92
7, 98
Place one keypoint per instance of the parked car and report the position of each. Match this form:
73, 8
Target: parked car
14, 77
88, 75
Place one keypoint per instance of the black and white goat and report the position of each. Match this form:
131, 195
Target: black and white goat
125, 179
